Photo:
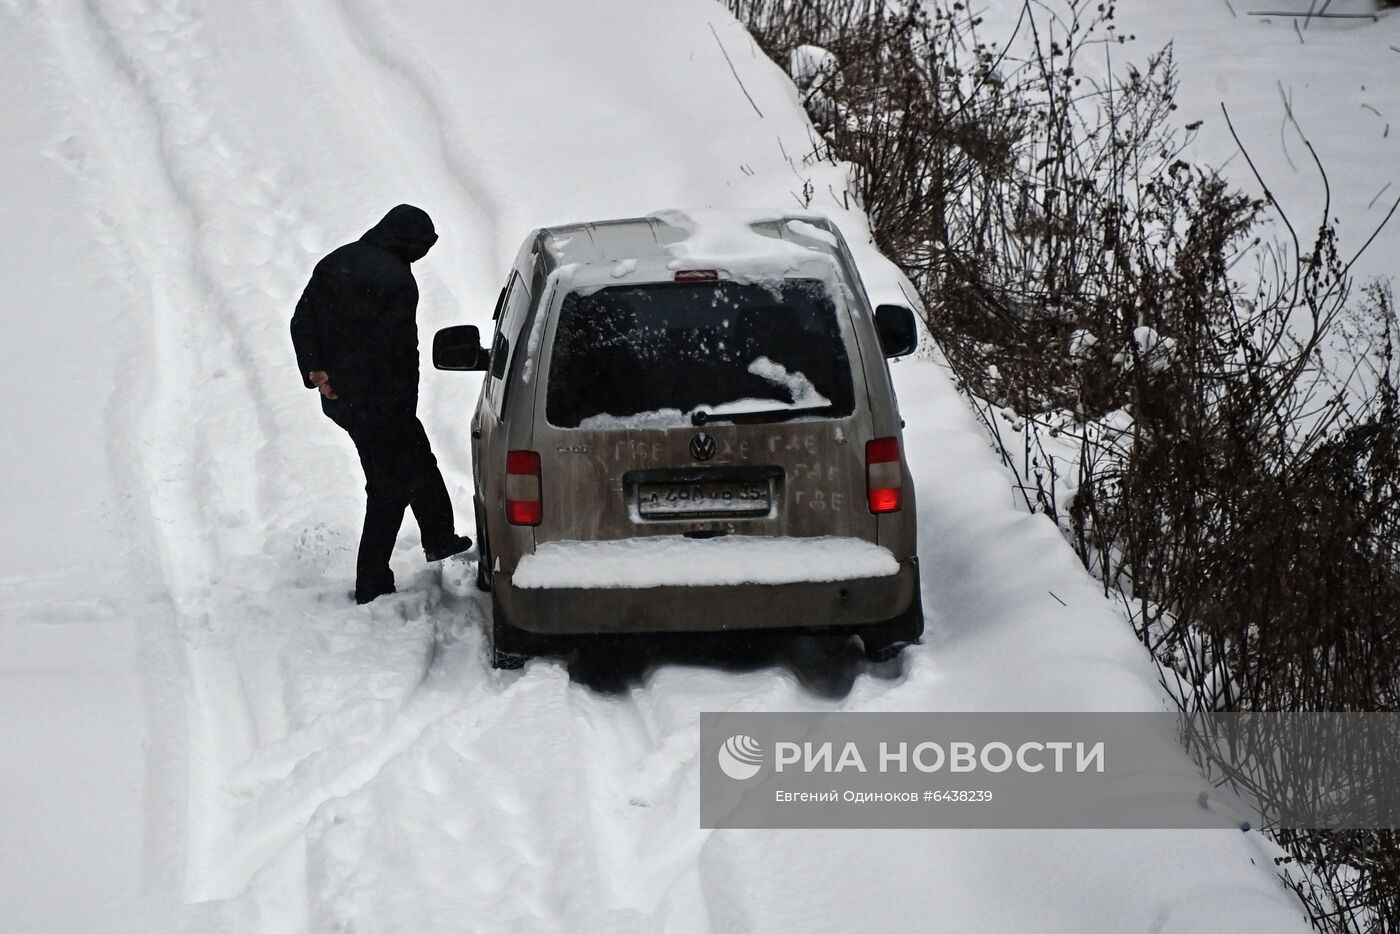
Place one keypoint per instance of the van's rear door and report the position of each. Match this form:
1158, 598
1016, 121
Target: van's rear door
703, 406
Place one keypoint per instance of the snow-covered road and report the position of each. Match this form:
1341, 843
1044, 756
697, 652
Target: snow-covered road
310, 765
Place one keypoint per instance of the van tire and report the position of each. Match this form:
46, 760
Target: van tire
885, 640
505, 661
512, 647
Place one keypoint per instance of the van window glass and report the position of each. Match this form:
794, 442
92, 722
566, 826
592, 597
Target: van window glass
517, 300
651, 355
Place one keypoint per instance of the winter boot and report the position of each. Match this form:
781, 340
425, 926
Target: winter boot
453, 546
365, 595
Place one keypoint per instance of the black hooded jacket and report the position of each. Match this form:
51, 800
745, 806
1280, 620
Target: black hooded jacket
357, 318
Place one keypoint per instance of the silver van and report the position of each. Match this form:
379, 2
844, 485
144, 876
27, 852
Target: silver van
687, 423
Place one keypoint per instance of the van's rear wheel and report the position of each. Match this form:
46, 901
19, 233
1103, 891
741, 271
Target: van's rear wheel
512, 647
884, 641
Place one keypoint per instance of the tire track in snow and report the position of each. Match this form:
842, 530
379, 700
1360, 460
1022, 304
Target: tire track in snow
320, 775
212, 496
159, 249
330, 768
539, 804
88, 155
156, 46
157, 233
637, 864
372, 37
144, 57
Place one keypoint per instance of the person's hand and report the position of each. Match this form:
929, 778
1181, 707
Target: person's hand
322, 382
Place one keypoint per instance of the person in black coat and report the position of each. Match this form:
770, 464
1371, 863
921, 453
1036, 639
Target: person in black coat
355, 331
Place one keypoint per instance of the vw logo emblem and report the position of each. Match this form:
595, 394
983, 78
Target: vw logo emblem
702, 447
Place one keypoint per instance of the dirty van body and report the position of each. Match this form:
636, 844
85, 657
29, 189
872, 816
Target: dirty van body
688, 425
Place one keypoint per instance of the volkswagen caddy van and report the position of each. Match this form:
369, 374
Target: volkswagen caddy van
687, 423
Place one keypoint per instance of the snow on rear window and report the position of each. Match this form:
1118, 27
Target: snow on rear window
804, 394
649, 356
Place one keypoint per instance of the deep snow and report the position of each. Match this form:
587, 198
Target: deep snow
180, 520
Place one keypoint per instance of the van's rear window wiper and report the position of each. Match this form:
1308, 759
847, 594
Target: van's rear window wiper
787, 413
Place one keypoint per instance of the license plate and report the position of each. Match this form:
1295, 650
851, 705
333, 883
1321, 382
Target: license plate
697, 500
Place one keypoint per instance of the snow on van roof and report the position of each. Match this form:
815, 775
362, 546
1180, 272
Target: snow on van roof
743, 245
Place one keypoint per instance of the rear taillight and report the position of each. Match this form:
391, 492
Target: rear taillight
884, 477
698, 275
523, 506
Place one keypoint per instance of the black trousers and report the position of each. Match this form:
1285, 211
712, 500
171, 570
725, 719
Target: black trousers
400, 473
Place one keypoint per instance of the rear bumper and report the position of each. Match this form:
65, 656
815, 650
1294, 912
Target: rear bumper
708, 609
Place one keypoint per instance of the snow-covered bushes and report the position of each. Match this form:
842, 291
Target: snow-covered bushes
1211, 418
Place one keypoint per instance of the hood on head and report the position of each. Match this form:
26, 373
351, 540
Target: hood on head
405, 231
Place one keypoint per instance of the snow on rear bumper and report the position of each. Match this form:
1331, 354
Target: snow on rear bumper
659, 585
677, 561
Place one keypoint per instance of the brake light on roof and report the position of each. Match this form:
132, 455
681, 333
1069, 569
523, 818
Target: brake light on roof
884, 475
523, 505
698, 275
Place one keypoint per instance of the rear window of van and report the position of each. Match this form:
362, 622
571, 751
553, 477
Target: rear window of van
655, 355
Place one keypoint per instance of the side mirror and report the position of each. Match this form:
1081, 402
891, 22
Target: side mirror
459, 348
899, 334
